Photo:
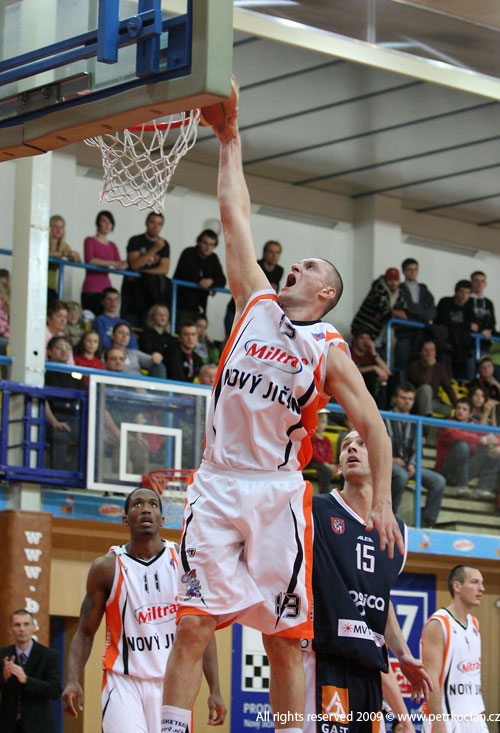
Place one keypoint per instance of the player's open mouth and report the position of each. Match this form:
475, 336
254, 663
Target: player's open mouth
291, 280
352, 459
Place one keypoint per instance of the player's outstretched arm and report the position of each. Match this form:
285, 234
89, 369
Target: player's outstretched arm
99, 583
413, 669
392, 694
217, 711
344, 381
433, 656
244, 275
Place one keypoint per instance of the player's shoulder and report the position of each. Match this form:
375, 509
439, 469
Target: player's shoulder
102, 569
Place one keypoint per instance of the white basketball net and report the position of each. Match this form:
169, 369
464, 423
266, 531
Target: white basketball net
138, 164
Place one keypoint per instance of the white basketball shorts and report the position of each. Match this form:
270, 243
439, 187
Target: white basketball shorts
130, 705
246, 550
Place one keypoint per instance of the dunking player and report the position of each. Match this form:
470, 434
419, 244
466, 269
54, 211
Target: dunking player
246, 547
451, 650
353, 615
136, 586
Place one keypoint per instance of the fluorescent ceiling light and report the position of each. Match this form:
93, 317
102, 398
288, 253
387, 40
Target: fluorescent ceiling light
294, 215
262, 3
458, 249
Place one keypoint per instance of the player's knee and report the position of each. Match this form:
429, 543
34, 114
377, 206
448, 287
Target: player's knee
195, 631
281, 649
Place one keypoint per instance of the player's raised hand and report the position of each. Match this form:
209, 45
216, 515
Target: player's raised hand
384, 521
228, 129
413, 670
217, 710
72, 690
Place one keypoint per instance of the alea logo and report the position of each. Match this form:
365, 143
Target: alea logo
469, 666
363, 599
157, 613
274, 355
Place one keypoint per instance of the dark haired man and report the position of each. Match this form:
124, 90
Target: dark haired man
464, 454
453, 314
480, 310
135, 585
403, 437
419, 307
247, 513
181, 360
149, 254
451, 651
30, 680
198, 265
109, 318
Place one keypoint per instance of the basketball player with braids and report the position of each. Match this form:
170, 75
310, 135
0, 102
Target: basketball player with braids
247, 542
135, 585
451, 650
354, 621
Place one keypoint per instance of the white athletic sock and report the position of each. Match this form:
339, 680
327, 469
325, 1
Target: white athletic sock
175, 720
289, 730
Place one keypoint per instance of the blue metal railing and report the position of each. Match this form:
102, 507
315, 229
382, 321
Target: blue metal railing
478, 337
62, 264
420, 422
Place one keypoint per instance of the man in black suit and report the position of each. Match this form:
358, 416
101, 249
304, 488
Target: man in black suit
30, 679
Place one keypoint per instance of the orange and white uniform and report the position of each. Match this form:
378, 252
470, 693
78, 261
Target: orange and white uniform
460, 677
247, 541
140, 630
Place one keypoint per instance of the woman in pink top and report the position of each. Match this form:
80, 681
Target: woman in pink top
4, 310
99, 250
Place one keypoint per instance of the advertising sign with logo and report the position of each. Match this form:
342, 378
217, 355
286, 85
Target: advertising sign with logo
250, 708
414, 600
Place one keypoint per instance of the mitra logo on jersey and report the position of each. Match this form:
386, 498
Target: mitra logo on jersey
157, 613
274, 355
469, 666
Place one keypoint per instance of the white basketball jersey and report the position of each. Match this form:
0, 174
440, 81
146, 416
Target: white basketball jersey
460, 677
140, 613
269, 388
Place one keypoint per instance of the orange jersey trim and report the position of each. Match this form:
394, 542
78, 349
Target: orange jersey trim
113, 624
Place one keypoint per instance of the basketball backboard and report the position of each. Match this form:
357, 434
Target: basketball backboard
72, 69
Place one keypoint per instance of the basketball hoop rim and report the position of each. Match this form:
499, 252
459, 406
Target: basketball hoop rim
172, 125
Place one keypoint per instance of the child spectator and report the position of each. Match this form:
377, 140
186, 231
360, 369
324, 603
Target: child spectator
88, 352
156, 336
75, 326
99, 250
108, 319
322, 457
206, 347
483, 408
58, 247
136, 360
4, 310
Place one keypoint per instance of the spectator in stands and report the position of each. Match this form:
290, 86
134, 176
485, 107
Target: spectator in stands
274, 272
419, 306
75, 327
373, 368
452, 313
403, 436
486, 378
88, 352
99, 250
206, 348
109, 318
480, 311
156, 335
322, 457
57, 318
136, 360
463, 454
207, 375
427, 375
198, 265
384, 301
4, 310
181, 360
63, 414
58, 247
137, 445
483, 408
148, 254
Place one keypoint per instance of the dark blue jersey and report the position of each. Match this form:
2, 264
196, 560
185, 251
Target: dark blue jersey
352, 580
